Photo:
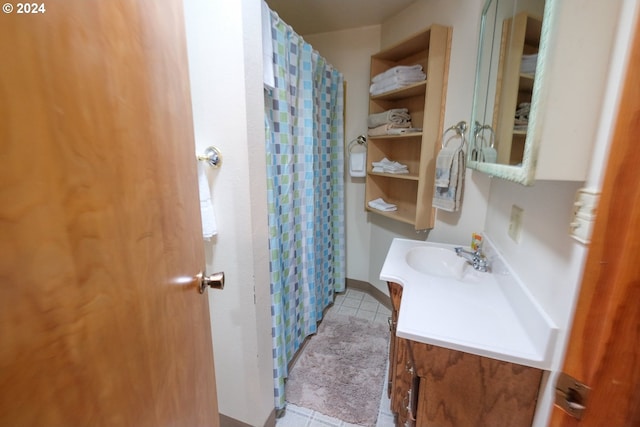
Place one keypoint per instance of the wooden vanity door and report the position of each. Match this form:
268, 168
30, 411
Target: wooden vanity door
465, 390
395, 290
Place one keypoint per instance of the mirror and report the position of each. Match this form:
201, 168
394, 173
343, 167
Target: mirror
509, 88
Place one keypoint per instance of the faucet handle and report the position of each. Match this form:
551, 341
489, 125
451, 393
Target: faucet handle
480, 262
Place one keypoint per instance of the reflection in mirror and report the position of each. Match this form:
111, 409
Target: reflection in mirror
508, 56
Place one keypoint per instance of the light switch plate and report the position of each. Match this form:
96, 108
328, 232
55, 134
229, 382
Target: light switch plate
515, 223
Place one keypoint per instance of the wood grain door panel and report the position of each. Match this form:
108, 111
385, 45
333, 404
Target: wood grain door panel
100, 236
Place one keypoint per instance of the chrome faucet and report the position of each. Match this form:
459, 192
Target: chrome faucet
475, 258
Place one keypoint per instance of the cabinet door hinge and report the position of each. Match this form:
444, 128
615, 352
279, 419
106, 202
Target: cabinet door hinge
571, 395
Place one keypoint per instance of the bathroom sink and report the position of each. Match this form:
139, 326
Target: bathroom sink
447, 303
436, 261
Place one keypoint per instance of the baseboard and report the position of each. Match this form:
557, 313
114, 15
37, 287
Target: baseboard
367, 287
232, 422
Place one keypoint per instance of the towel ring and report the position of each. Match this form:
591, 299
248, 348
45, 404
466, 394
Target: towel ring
212, 156
460, 128
360, 140
479, 146
479, 133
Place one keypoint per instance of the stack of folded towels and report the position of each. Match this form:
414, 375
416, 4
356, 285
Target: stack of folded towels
521, 120
528, 64
391, 122
381, 205
387, 166
396, 77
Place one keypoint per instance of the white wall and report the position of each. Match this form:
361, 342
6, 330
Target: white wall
225, 51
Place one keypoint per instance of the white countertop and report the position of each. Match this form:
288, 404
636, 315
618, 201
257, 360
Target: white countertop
487, 314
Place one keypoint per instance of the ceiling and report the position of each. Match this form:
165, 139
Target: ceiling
322, 16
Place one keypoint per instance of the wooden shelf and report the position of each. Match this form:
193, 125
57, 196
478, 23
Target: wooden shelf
408, 176
526, 82
402, 136
406, 215
412, 193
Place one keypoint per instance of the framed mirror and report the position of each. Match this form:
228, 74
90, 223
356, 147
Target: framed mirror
509, 88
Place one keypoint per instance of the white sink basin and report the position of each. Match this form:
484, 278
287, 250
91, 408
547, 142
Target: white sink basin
436, 261
445, 302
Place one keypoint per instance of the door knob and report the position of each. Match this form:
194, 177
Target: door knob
215, 281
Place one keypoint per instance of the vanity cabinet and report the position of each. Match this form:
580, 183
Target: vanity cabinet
412, 193
520, 36
436, 386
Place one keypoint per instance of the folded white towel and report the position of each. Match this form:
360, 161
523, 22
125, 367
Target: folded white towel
528, 63
381, 205
414, 76
395, 116
387, 166
399, 69
395, 82
209, 227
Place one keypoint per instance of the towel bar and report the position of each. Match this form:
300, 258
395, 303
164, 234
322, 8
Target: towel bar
212, 156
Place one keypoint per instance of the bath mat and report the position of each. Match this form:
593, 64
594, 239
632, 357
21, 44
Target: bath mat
341, 370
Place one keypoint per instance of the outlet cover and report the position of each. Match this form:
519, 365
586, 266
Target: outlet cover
515, 223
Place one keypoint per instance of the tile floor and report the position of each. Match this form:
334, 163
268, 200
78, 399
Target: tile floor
353, 303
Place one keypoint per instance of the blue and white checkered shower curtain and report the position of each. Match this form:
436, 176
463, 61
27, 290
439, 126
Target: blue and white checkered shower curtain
305, 170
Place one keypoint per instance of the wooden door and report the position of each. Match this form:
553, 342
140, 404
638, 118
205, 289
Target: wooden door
604, 347
101, 323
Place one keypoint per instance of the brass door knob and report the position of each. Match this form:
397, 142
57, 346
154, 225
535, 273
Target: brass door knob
215, 281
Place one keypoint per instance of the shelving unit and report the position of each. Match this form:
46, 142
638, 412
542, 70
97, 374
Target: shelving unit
520, 36
413, 192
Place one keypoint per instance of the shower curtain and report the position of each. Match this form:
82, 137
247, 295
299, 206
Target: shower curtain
305, 169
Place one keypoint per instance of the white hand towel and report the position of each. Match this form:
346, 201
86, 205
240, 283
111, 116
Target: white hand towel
268, 76
209, 227
357, 162
489, 155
